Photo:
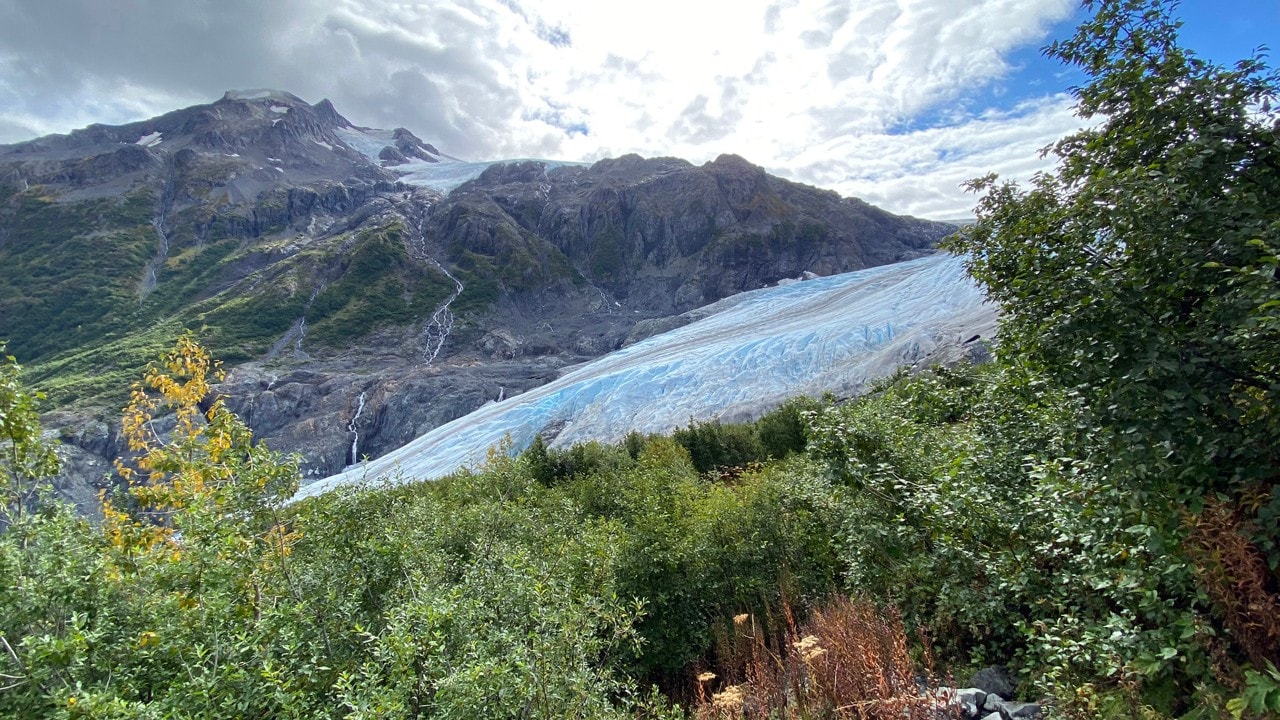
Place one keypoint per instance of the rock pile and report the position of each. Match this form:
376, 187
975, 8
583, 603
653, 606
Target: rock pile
985, 699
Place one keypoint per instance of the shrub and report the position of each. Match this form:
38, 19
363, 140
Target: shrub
712, 445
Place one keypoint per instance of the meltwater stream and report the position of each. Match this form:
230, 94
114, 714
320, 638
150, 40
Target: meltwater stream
748, 354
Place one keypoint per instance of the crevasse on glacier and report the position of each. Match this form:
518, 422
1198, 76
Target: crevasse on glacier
752, 352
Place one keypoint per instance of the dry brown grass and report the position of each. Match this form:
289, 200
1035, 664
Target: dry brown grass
850, 660
1234, 574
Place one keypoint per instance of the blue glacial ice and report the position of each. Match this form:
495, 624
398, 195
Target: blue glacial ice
747, 354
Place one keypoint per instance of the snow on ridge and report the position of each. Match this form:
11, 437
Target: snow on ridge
445, 176
149, 140
442, 176
259, 94
836, 333
366, 141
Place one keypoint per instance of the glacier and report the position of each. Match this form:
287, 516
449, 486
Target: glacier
745, 355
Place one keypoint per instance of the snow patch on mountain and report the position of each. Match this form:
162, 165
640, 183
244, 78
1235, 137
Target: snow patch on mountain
446, 176
366, 141
261, 94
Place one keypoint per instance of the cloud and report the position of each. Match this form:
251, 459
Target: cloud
815, 89
921, 172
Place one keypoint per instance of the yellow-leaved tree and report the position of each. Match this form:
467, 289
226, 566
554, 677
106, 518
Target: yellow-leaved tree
180, 601
199, 492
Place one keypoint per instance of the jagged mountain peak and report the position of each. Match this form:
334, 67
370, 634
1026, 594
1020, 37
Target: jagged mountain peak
258, 139
326, 110
244, 144
278, 105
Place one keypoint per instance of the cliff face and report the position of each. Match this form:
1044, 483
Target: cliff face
362, 286
666, 236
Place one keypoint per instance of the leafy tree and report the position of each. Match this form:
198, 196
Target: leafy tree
177, 599
1141, 279
24, 456
541, 467
1142, 274
781, 430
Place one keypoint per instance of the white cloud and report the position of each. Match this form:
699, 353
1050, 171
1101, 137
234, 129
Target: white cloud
813, 89
921, 172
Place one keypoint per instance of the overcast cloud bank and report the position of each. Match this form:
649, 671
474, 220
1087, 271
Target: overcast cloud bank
894, 101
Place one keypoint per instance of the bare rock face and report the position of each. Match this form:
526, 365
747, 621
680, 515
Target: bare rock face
334, 419
499, 343
661, 236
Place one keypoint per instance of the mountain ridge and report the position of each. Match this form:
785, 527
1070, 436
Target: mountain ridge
322, 257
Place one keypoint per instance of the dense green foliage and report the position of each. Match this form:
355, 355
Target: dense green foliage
24, 457
70, 268
972, 518
561, 582
487, 594
1140, 286
1142, 275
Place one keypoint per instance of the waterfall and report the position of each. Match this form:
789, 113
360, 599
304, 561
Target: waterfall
355, 434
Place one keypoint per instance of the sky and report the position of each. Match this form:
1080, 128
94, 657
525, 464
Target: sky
897, 102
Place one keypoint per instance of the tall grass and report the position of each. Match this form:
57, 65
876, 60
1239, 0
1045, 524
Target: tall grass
850, 659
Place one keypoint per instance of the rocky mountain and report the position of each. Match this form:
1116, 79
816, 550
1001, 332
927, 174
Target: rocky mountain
361, 283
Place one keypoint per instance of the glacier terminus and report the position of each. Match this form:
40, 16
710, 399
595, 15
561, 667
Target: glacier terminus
747, 354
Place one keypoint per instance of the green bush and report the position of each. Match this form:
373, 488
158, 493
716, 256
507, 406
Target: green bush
713, 445
783, 431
